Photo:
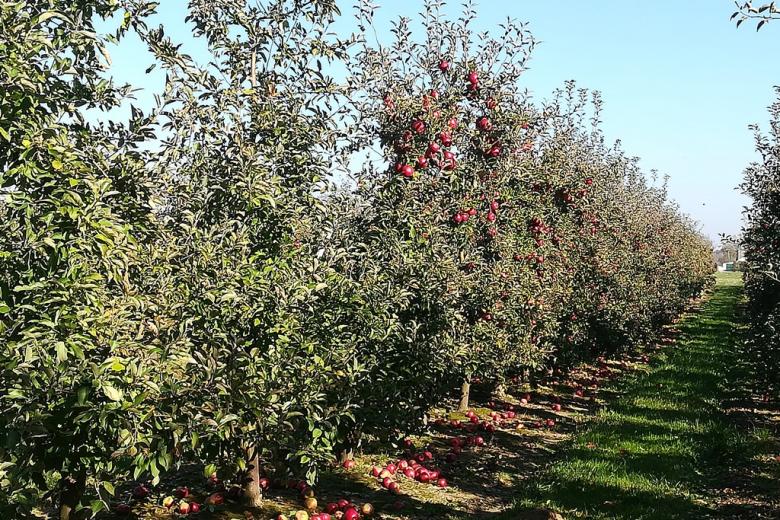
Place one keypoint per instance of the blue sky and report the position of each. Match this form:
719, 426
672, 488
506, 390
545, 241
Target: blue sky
680, 83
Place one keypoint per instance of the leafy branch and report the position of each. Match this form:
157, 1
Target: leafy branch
762, 13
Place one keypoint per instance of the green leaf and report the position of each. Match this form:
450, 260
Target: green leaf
112, 393
62, 351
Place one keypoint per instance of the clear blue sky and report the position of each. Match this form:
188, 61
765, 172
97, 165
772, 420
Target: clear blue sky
680, 83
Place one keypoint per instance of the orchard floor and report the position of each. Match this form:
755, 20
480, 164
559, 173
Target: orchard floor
671, 432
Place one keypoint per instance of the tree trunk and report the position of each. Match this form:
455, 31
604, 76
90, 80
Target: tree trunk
465, 389
72, 488
499, 392
345, 454
253, 495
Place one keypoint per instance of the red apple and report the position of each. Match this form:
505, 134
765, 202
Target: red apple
184, 508
442, 482
140, 491
194, 508
182, 492
332, 507
215, 499
351, 514
484, 124
122, 509
444, 65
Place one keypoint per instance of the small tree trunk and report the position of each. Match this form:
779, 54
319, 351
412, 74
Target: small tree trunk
465, 389
253, 495
72, 488
345, 454
499, 392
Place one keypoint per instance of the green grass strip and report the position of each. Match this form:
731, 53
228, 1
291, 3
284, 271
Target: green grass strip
653, 452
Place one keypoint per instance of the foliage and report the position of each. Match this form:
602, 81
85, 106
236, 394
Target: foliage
78, 377
190, 286
762, 246
762, 13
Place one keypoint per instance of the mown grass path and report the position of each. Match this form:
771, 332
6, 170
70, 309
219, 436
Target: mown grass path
681, 440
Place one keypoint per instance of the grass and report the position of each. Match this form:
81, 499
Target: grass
664, 442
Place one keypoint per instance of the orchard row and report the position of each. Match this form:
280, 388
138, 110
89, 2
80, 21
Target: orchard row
762, 244
272, 266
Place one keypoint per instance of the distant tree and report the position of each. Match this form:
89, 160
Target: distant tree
762, 13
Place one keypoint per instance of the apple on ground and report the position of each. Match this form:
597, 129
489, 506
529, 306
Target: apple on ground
140, 491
